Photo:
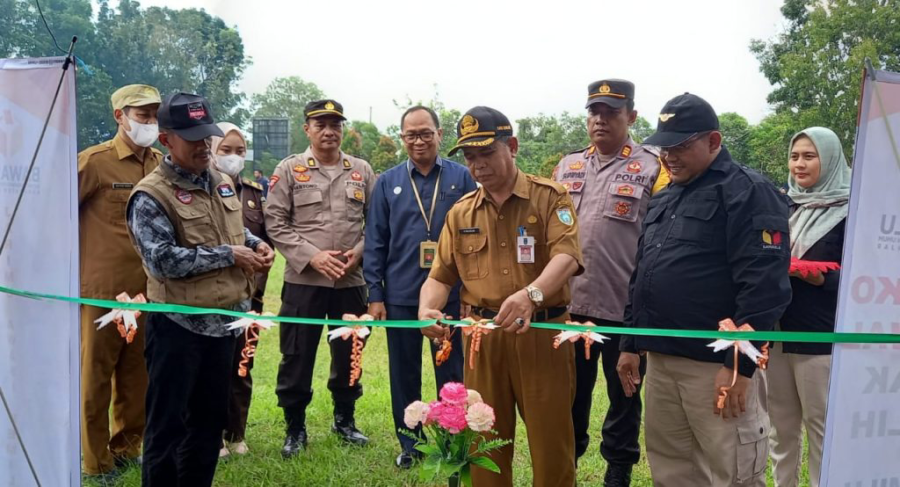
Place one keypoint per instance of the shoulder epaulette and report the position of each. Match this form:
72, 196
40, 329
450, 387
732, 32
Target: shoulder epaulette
251, 183
559, 188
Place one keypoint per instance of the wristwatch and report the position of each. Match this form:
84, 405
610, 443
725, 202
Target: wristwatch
535, 295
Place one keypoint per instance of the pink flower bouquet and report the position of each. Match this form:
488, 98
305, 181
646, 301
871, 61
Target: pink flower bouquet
456, 424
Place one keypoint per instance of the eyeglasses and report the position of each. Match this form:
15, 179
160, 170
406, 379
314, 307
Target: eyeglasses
682, 147
410, 138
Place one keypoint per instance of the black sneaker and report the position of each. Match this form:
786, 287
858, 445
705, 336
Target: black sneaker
407, 459
294, 443
617, 475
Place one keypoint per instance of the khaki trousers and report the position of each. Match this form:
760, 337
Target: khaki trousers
525, 373
798, 392
688, 445
112, 371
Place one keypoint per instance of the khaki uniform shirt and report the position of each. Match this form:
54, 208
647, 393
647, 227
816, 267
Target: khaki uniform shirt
611, 200
253, 201
478, 242
107, 173
310, 209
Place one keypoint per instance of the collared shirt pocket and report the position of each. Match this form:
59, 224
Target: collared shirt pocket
116, 201
473, 256
624, 201
308, 206
696, 223
356, 201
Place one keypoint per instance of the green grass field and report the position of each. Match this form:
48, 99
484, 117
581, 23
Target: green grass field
329, 463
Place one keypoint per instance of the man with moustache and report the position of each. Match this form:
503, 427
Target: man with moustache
184, 219
316, 207
406, 215
113, 370
611, 183
714, 246
514, 245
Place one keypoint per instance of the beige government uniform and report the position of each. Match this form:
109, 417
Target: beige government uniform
517, 372
312, 208
112, 371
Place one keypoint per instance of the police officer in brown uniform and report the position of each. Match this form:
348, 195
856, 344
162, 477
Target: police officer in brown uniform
185, 220
229, 153
514, 245
610, 182
112, 369
314, 215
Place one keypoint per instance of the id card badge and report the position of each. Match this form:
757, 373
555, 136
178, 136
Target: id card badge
427, 252
525, 249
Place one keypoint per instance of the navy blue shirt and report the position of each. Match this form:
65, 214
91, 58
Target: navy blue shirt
715, 248
395, 227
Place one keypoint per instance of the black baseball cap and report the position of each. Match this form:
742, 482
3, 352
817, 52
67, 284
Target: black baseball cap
188, 116
613, 92
682, 118
324, 108
479, 127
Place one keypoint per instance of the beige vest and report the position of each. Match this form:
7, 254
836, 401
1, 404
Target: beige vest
199, 219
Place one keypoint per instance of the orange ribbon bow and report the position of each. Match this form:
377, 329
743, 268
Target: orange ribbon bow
358, 335
125, 319
251, 328
740, 346
476, 330
589, 337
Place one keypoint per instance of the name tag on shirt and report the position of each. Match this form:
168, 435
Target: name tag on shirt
469, 231
122, 186
525, 249
427, 251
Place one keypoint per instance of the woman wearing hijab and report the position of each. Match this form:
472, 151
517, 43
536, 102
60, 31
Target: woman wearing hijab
229, 153
819, 188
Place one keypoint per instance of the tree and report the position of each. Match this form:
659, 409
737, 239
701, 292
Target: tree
641, 129
768, 146
815, 65
173, 50
736, 133
287, 97
544, 140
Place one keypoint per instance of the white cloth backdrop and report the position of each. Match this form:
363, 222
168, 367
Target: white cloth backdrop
39, 351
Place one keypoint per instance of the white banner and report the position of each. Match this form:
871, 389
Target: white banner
39, 340
862, 431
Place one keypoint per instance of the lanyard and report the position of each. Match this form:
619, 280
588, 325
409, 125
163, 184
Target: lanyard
437, 186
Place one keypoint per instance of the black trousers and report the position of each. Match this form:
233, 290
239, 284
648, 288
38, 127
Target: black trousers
405, 363
299, 343
241, 387
187, 397
622, 425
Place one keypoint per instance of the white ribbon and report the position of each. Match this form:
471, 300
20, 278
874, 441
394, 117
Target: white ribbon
245, 323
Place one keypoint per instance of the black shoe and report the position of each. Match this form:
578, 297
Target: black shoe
346, 430
294, 443
617, 475
407, 459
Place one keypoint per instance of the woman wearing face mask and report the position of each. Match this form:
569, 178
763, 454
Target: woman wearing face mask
228, 157
819, 189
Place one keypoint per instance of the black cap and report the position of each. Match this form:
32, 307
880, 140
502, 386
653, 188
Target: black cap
188, 116
613, 92
479, 126
683, 117
324, 108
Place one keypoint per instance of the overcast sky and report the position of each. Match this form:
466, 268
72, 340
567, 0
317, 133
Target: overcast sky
522, 60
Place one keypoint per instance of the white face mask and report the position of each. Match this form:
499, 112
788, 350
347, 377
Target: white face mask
231, 164
143, 134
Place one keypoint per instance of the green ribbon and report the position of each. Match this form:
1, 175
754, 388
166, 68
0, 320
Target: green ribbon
773, 336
